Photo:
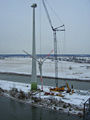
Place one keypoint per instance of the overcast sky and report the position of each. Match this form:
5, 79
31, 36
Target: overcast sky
16, 26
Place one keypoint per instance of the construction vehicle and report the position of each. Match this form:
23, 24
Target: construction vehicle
68, 88
57, 89
62, 89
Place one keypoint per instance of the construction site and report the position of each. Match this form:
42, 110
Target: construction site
54, 82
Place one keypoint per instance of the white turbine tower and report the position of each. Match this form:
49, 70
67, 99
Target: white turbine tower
34, 76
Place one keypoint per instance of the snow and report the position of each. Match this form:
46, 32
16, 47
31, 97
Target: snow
8, 85
74, 103
23, 65
66, 70
76, 98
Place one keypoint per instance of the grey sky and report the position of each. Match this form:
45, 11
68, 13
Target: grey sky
16, 26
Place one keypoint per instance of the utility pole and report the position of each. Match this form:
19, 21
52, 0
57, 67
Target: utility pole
34, 76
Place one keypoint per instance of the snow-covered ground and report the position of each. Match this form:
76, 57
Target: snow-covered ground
66, 69
72, 103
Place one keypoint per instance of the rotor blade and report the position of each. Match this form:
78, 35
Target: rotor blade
59, 27
48, 55
60, 30
30, 55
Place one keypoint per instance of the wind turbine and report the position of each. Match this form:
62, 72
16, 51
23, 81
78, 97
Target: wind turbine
40, 63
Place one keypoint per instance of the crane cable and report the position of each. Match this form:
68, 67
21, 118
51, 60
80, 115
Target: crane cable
54, 12
61, 49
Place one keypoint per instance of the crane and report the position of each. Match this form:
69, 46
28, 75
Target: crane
54, 29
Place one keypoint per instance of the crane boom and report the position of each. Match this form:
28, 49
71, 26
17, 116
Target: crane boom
49, 19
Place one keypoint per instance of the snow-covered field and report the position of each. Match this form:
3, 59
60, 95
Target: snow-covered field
66, 69
72, 103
